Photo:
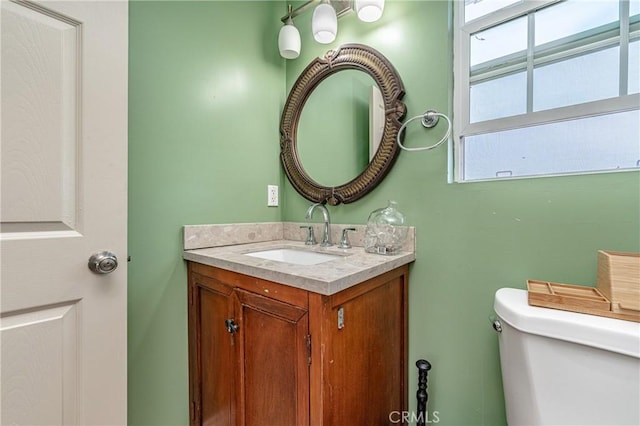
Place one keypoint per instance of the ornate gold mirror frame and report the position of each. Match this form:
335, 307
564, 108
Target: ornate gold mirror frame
348, 56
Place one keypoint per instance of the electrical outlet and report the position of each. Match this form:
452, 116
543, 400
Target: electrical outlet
272, 195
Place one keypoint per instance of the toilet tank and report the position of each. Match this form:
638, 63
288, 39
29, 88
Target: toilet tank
566, 368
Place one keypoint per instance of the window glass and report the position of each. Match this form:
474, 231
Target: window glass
584, 15
564, 147
500, 97
634, 67
576, 80
634, 7
499, 41
606, 142
476, 8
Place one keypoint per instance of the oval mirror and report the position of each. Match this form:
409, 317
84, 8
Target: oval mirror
341, 91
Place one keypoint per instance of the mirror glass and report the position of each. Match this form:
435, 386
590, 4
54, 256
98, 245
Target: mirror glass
333, 131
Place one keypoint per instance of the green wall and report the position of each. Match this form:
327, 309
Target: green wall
206, 90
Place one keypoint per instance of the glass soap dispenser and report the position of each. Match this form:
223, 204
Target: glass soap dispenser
386, 231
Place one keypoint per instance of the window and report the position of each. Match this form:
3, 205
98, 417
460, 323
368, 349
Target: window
545, 87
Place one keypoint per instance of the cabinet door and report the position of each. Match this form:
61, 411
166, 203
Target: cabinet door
211, 353
274, 372
367, 356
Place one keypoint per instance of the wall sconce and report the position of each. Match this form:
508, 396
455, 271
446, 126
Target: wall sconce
289, 39
324, 23
369, 10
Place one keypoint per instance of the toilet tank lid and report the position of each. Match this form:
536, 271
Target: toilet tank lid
615, 335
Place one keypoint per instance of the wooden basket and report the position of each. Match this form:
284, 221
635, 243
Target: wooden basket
619, 280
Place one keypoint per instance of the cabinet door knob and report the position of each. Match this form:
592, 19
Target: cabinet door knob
231, 325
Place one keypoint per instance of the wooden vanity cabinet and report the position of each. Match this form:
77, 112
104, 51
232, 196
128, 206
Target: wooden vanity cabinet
263, 353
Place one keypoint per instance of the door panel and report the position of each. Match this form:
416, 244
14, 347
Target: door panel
274, 386
63, 149
39, 358
40, 118
213, 364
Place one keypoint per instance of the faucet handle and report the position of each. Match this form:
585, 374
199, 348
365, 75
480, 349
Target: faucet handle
344, 241
311, 238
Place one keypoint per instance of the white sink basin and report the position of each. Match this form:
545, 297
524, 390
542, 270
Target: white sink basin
297, 257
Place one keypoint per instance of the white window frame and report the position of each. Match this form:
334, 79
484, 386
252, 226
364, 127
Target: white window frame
463, 127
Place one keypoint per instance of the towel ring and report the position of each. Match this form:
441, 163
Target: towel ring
429, 120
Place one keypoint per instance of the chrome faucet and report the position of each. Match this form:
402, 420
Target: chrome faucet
326, 233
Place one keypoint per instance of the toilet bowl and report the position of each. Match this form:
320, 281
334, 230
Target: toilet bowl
565, 368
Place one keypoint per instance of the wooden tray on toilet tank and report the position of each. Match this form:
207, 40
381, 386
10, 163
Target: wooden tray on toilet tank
574, 298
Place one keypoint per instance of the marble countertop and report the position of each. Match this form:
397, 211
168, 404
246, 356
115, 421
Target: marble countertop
353, 267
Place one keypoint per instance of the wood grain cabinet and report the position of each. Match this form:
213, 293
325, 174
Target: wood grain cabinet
263, 353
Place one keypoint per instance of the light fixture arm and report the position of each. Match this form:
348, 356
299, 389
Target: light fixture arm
342, 7
288, 20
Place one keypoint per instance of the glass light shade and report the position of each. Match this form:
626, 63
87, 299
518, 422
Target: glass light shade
369, 10
324, 23
289, 41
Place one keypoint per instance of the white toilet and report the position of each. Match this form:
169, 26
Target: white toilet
565, 368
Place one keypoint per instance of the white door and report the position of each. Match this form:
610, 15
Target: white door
63, 198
